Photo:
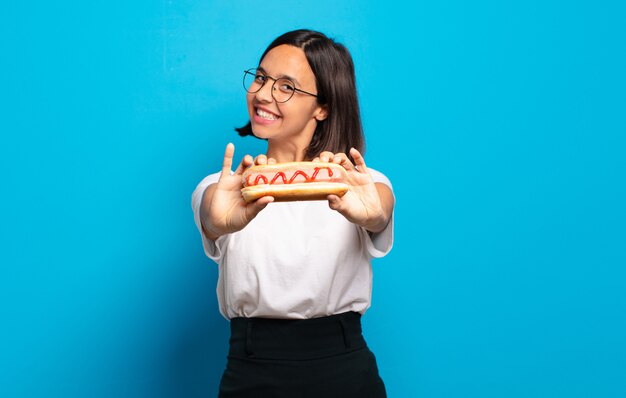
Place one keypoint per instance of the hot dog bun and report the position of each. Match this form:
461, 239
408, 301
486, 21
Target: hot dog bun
294, 192
294, 181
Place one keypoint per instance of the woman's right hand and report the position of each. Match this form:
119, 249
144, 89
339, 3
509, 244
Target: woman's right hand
223, 209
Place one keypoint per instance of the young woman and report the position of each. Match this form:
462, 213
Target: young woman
295, 277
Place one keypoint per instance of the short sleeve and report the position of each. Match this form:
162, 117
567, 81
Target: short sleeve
380, 243
213, 249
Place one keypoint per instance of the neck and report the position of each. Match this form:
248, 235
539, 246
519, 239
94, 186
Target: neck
291, 148
284, 151
285, 154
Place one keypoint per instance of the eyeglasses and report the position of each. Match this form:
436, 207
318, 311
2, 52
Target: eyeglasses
282, 89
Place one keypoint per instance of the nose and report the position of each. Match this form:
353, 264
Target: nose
265, 93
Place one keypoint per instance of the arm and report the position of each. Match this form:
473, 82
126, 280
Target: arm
387, 204
223, 209
204, 211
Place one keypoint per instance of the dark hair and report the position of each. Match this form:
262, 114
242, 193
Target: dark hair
336, 87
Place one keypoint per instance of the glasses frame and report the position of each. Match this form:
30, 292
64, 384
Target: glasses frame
254, 72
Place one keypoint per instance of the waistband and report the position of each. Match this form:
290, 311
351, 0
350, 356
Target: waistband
295, 339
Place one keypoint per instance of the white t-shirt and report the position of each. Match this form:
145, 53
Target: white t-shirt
294, 260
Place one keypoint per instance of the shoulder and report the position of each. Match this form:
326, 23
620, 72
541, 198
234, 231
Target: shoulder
210, 179
378, 176
206, 181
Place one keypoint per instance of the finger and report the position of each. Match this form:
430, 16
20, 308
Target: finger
228, 159
255, 207
260, 159
271, 161
326, 156
316, 160
343, 160
264, 201
358, 160
246, 162
334, 202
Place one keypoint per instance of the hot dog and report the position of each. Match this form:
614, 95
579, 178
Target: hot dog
294, 181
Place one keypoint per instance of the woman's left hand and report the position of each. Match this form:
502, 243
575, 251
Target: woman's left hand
362, 204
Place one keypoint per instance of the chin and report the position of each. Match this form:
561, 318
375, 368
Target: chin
259, 133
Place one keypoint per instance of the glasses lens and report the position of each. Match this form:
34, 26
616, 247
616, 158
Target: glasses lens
283, 90
253, 80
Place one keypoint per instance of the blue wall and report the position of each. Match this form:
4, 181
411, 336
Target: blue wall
502, 127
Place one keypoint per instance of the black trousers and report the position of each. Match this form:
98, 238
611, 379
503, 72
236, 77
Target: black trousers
319, 357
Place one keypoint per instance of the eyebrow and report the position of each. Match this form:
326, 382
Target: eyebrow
293, 79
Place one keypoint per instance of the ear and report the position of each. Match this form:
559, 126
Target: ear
321, 113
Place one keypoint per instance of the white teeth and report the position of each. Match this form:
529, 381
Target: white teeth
265, 115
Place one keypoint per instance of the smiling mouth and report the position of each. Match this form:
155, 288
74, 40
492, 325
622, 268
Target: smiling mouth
265, 115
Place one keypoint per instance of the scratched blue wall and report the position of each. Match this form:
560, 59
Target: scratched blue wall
502, 126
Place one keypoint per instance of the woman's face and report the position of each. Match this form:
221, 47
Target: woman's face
296, 118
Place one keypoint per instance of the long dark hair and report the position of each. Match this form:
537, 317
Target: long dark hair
336, 87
